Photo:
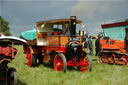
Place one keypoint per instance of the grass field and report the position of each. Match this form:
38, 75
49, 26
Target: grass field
102, 74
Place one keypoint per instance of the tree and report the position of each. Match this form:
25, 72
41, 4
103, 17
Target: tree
4, 28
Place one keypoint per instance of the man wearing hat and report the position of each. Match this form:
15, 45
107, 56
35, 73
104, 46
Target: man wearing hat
98, 45
90, 46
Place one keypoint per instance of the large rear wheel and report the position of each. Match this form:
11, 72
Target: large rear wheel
29, 57
60, 63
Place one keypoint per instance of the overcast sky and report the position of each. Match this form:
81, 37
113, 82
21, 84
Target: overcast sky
23, 14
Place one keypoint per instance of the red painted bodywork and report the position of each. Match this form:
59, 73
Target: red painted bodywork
71, 62
113, 52
113, 44
7, 51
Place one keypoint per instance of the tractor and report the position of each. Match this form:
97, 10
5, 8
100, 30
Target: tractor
8, 76
114, 45
56, 41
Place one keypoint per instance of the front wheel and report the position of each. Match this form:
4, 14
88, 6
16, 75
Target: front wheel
86, 63
60, 63
12, 76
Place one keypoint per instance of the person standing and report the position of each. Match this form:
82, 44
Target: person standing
90, 46
84, 42
98, 45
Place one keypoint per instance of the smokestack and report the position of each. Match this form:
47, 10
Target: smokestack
126, 39
73, 26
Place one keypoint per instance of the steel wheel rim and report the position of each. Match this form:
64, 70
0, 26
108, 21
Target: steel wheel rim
29, 57
58, 64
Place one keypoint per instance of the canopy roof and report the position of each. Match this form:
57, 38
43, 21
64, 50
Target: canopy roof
124, 23
29, 35
58, 21
12, 39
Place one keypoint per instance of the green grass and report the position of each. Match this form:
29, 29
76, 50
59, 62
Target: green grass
102, 74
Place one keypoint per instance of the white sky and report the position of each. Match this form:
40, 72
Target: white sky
23, 14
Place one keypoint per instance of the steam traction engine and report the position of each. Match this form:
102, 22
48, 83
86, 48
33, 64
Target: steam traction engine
56, 41
8, 76
114, 46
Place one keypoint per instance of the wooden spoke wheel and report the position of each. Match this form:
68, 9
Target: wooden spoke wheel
60, 63
86, 63
12, 76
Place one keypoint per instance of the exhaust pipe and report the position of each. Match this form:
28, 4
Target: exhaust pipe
73, 26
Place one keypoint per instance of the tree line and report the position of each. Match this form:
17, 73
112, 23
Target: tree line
4, 28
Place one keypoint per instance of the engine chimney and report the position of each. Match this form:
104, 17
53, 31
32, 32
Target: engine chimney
73, 26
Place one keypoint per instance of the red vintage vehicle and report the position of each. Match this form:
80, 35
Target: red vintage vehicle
113, 50
56, 41
8, 76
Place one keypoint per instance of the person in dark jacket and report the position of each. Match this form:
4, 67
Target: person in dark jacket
90, 46
98, 45
84, 42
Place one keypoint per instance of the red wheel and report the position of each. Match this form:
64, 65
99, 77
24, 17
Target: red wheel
32, 59
85, 63
29, 57
60, 63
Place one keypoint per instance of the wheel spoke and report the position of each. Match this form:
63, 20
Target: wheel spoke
84, 64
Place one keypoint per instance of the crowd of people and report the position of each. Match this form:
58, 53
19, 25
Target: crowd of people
89, 44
